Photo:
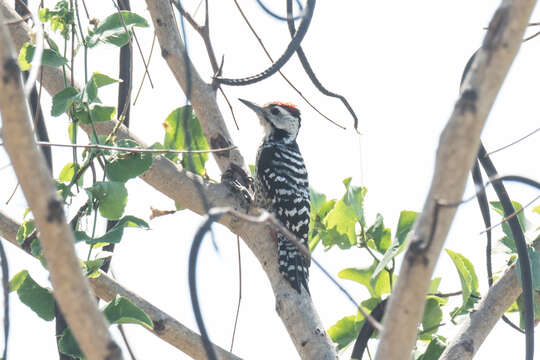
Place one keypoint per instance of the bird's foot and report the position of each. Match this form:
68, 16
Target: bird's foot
239, 184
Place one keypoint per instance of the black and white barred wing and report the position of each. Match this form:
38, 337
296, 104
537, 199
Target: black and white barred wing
282, 176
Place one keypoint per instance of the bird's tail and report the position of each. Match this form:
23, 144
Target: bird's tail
292, 264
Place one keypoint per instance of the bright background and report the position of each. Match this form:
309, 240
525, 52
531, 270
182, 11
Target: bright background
399, 65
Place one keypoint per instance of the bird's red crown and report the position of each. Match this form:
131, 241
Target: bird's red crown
283, 104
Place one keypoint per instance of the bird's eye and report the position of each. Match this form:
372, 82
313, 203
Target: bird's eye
274, 111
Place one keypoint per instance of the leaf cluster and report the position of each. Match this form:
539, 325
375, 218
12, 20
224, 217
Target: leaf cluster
342, 223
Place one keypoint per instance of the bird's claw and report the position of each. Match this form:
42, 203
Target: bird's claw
240, 183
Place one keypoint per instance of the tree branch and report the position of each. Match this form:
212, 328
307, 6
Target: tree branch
203, 96
457, 149
476, 328
165, 327
296, 311
71, 289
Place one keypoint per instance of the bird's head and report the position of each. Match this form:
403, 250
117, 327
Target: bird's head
281, 121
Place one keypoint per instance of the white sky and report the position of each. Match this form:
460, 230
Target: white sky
399, 65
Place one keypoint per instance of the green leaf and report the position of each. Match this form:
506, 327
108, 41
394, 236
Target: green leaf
381, 283
359, 275
380, 235
26, 228
72, 132
35, 249
114, 235
63, 100
434, 349
354, 197
17, 280
497, 206
319, 209
92, 267
68, 172
317, 200
509, 243
405, 223
123, 166
98, 113
376, 286
344, 331
342, 218
176, 138
434, 285
536, 209
123, 311
60, 18
68, 345
513, 308
534, 259
431, 319
114, 21
63, 190
112, 196
112, 30
37, 298
521, 307
96, 81
48, 58
103, 80
468, 278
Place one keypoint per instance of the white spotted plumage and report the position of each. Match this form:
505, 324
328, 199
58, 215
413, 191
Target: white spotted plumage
282, 187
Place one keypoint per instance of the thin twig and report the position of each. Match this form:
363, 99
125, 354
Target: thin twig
514, 142
239, 291
443, 295
204, 32
515, 213
148, 64
126, 342
309, 70
274, 15
283, 59
12, 193
133, 150
259, 40
531, 36
230, 107
5, 287
146, 72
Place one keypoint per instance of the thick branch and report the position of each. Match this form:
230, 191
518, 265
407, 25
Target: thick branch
476, 328
165, 326
297, 312
457, 149
203, 96
71, 289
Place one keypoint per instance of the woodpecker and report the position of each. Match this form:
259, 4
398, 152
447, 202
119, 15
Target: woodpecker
281, 184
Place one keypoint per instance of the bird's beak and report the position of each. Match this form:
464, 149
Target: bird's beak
258, 110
